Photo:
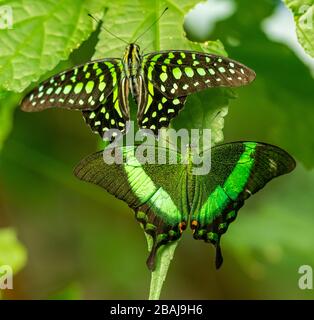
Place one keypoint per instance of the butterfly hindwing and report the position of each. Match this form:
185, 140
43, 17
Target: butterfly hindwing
156, 110
82, 88
112, 113
148, 189
238, 170
179, 73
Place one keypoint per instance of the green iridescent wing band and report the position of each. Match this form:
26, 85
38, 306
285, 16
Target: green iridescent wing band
93, 87
238, 170
147, 189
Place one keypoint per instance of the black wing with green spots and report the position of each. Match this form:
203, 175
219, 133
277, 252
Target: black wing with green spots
166, 197
93, 88
172, 75
159, 83
179, 73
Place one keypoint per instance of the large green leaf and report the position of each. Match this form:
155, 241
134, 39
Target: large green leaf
303, 12
129, 20
44, 32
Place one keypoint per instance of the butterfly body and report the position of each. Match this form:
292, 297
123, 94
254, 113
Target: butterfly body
132, 78
159, 82
169, 197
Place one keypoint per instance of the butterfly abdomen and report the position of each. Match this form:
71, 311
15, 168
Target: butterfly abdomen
132, 64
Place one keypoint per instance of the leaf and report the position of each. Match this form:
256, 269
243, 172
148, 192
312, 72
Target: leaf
303, 12
206, 109
12, 252
164, 257
8, 101
44, 32
130, 20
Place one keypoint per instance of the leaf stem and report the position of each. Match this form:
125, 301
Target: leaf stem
163, 259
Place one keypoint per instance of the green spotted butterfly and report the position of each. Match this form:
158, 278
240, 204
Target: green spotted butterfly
168, 197
159, 83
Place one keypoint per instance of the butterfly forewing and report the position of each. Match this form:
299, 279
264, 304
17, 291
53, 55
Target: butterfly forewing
83, 88
113, 112
179, 73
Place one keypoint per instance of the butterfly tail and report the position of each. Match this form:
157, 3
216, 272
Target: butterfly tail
151, 260
219, 257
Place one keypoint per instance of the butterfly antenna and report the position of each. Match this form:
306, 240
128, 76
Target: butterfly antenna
141, 35
98, 21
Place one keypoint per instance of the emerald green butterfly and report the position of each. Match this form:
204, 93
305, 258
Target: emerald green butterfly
168, 197
159, 83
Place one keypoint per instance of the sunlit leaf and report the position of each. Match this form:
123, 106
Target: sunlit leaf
129, 20
44, 32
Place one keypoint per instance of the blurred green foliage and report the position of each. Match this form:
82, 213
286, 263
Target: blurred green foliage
8, 102
71, 292
81, 241
12, 252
